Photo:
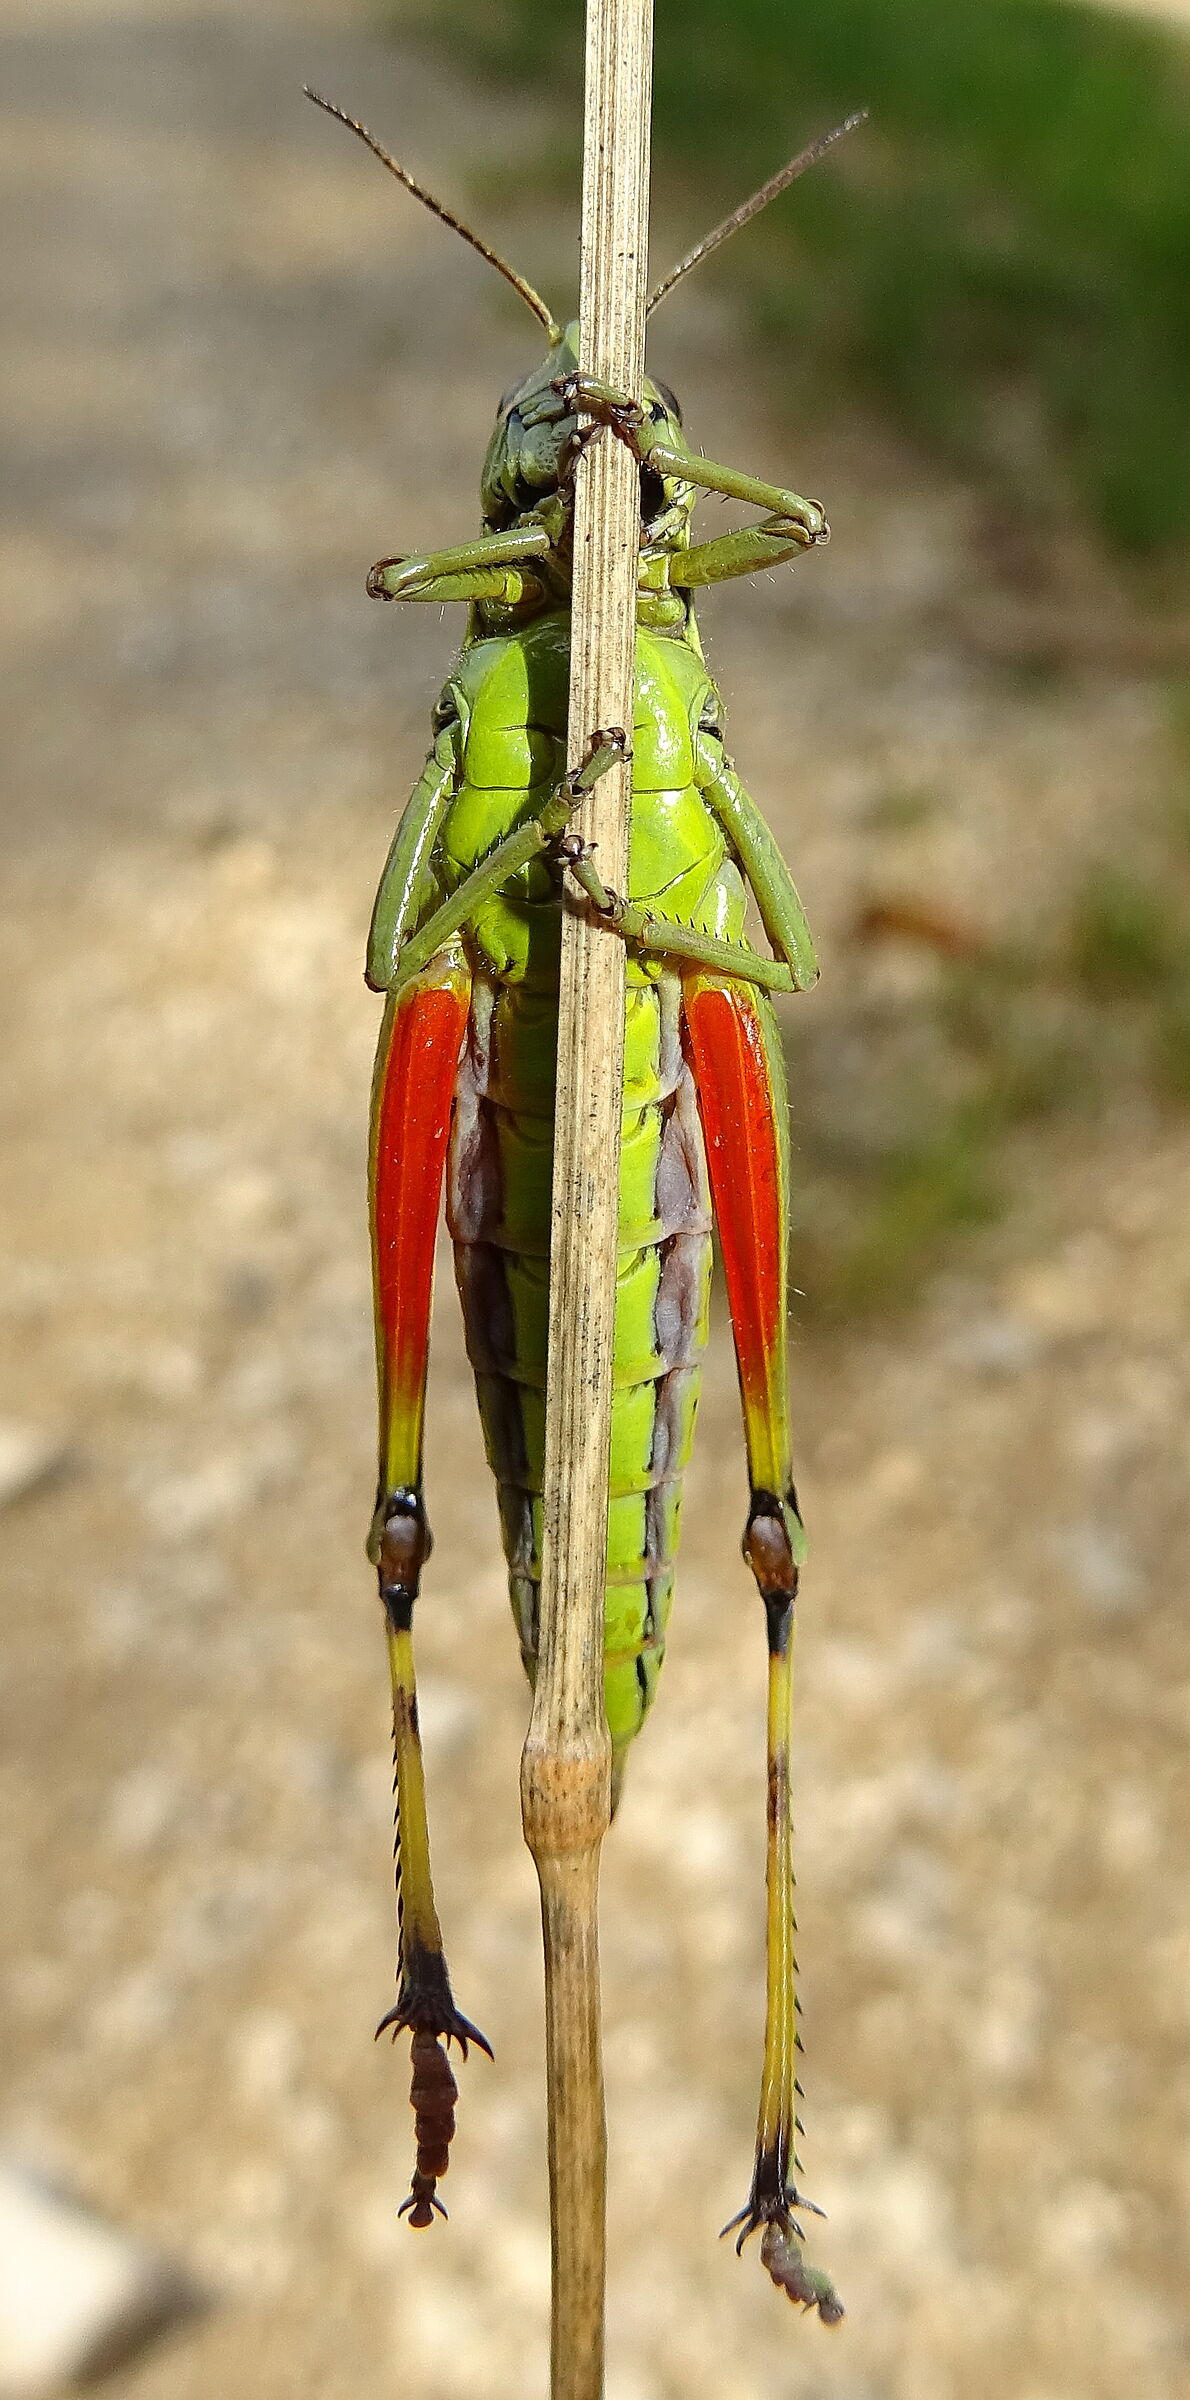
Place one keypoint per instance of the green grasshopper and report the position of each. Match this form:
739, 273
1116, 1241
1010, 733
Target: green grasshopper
464, 944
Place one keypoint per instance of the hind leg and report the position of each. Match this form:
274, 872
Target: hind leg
739, 1074
415, 1074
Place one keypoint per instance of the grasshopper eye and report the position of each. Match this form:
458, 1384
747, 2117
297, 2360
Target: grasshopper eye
671, 406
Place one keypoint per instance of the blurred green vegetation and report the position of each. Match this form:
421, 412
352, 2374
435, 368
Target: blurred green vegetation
906, 1106
1000, 259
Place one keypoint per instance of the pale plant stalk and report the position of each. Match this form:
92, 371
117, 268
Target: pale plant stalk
566, 1769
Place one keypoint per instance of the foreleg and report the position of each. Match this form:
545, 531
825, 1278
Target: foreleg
795, 523
750, 551
732, 1044
800, 524
492, 567
415, 1073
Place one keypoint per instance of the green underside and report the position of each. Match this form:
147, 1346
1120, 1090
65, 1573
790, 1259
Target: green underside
662, 1299
511, 694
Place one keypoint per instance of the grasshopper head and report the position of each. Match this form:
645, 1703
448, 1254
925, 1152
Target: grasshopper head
531, 451
531, 438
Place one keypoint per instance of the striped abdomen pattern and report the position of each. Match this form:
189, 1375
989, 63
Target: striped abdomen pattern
498, 1207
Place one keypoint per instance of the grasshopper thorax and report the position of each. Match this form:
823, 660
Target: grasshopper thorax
534, 443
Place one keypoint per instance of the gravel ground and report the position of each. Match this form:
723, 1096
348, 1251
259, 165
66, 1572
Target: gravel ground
246, 369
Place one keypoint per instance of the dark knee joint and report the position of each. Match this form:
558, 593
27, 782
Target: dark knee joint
768, 1549
399, 1547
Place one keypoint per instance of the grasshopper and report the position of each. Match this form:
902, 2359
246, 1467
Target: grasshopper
464, 945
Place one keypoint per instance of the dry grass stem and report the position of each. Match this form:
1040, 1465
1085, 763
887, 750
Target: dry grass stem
566, 1769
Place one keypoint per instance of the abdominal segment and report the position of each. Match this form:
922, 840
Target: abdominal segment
498, 1207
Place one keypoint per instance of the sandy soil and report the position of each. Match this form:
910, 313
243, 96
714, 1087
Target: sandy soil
245, 369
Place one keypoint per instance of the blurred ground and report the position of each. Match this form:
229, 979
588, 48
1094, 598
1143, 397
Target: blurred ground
1173, 9
245, 369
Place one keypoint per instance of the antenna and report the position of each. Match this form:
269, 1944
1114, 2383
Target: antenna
751, 208
531, 298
